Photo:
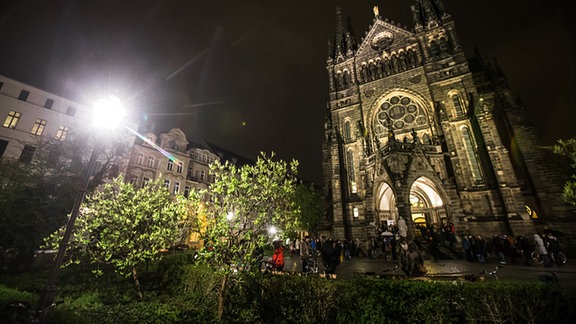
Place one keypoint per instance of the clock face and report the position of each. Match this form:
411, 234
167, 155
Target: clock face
382, 41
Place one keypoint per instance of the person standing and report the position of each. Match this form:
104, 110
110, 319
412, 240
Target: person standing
359, 249
330, 258
479, 247
305, 252
277, 261
525, 249
554, 248
297, 247
373, 245
540, 248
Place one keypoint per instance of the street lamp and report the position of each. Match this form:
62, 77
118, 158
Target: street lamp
107, 113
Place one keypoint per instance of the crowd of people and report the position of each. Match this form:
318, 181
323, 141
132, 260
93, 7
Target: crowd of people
509, 249
391, 244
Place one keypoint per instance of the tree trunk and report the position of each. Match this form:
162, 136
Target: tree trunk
222, 296
137, 283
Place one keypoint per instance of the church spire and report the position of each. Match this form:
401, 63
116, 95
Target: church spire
339, 41
350, 40
345, 41
425, 11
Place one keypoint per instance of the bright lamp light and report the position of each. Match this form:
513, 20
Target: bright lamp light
108, 112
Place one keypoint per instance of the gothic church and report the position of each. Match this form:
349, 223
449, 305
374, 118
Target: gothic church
416, 130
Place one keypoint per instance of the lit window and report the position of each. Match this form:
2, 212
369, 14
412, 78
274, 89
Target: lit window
38, 127
179, 167
170, 165
531, 212
354, 187
416, 202
150, 162
166, 183
356, 214
139, 159
62, 133
176, 188
12, 119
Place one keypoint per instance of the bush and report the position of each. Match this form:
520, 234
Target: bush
288, 299
180, 292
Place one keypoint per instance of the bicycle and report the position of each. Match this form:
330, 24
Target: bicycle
537, 258
311, 265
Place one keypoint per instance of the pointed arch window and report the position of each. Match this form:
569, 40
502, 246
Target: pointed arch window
347, 131
458, 105
350, 170
472, 154
346, 79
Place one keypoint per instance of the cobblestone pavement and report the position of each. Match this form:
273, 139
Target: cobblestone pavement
449, 270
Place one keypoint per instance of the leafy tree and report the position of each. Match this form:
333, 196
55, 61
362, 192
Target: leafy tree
124, 226
568, 149
37, 195
35, 199
236, 210
309, 200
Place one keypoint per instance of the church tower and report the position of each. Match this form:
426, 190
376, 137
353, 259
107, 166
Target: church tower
417, 132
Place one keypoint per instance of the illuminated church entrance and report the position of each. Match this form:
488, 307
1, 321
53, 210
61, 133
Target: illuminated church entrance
427, 206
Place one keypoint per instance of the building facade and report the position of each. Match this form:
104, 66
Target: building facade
183, 165
171, 157
416, 130
28, 114
180, 165
32, 118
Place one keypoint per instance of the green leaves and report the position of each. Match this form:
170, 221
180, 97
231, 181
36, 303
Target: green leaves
568, 149
240, 205
124, 226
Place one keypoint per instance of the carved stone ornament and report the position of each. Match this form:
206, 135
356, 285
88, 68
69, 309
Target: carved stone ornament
382, 41
415, 79
397, 164
420, 165
369, 92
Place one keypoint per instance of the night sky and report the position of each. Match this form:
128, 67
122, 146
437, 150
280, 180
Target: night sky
250, 75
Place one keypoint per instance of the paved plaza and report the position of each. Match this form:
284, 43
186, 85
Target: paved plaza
449, 269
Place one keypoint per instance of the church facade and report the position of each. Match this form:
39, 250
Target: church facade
417, 131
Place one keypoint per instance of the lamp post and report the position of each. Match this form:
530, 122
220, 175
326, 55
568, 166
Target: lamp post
107, 114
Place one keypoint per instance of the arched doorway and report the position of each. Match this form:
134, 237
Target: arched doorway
386, 211
426, 204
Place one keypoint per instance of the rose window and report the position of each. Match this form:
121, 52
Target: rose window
399, 113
